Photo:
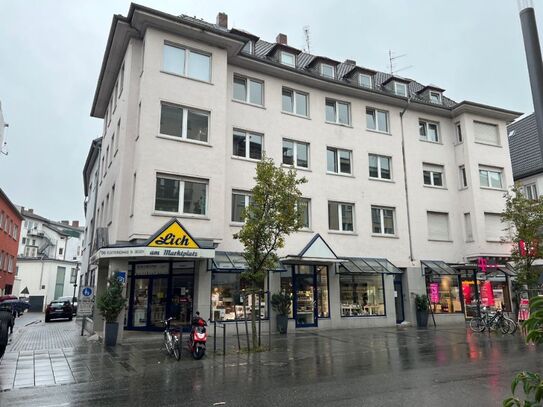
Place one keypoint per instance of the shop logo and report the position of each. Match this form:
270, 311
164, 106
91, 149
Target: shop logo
173, 235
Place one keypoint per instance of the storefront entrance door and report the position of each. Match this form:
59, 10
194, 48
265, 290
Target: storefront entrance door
305, 304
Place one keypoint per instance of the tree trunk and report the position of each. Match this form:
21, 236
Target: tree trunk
253, 318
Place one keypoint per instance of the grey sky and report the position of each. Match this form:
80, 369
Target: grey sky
51, 52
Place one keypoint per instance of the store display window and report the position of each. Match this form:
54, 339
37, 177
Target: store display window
362, 295
444, 294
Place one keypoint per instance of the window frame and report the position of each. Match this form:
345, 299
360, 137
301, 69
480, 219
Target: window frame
458, 133
247, 199
247, 134
398, 84
532, 188
309, 223
430, 238
439, 97
426, 167
295, 154
463, 175
468, 237
181, 196
370, 77
379, 174
340, 205
488, 170
374, 114
247, 80
336, 112
337, 161
426, 138
295, 92
184, 123
486, 143
187, 50
382, 220
321, 70
282, 62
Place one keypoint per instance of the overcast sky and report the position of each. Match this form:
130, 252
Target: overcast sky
51, 53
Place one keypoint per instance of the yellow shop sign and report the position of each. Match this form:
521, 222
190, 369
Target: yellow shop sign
173, 235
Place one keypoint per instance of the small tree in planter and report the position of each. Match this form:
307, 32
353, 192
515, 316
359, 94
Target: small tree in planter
281, 304
421, 304
110, 304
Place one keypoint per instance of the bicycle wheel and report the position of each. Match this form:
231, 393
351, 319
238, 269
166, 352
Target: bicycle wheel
176, 348
512, 325
477, 324
503, 325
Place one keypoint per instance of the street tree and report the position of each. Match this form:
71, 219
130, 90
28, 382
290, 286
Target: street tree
272, 214
525, 216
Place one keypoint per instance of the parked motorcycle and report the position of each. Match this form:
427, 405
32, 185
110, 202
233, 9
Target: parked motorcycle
198, 337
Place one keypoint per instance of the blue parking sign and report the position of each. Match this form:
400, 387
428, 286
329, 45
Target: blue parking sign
86, 292
121, 276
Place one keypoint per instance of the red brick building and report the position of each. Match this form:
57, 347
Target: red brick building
10, 227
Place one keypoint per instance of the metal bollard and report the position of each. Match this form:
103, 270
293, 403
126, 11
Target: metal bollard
214, 336
223, 339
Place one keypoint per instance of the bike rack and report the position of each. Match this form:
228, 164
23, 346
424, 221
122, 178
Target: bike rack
223, 326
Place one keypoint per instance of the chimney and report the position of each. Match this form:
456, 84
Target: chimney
222, 20
281, 39
535, 64
75, 223
350, 62
30, 210
65, 222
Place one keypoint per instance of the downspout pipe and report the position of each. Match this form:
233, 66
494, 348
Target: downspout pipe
534, 62
406, 188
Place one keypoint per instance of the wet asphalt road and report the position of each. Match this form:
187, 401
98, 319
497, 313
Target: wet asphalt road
448, 366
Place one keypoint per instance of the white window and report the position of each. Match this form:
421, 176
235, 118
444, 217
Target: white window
365, 80
341, 216
463, 176
327, 70
186, 62
438, 225
435, 97
288, 59
183, 122
493, 227
295, 153
468, 228
382, 220
338, 161
400, 89
248, 90
247, 145
295, 102
240, 201
380, 166
304, 206
10, 264
429, 131
338, 112
490, 177
181, 195
530, 191
459, 136
138, 122
248, 47
377, 120
433, 175
486, 133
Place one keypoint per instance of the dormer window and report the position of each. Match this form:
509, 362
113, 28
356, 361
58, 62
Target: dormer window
248, 48
328, 71
364, 80
435, 97
400, 89
286, 58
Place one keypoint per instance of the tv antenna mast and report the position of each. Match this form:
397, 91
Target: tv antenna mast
307, 39
392, 58
3, 139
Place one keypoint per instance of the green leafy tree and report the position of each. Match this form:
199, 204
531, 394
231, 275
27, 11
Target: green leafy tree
531, 383
272, 214
526, 218
112, 301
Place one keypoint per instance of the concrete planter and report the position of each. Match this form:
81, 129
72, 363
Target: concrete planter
282, 324
422, 319
110, 333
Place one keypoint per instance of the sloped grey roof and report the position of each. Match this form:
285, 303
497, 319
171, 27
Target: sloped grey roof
526, 157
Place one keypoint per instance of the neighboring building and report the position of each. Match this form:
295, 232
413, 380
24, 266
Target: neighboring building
404, 194
10, 227
526, 155
49, 258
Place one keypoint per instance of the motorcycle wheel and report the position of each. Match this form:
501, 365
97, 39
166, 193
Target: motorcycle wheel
198, 352
167, 344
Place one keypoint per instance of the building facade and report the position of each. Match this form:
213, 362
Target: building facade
403, 195
49, 258
10, 227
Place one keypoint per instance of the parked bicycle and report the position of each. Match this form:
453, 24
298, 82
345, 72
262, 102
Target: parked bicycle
493, 322
172, 339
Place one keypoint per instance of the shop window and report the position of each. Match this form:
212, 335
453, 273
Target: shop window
444, 294
228, 292
323, 303
361, 295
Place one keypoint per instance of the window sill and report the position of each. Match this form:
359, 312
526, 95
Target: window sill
390, 181
431, 142
488, 144
470, 241
184, 140
339, 174
295, 168
237, 224
179, 215
434, 187
251, 160
248, 104
295, 115
341, 232
186, 77
386, 133
463, 188
349, 126
385, 236
363, 316
494, 189
440, 240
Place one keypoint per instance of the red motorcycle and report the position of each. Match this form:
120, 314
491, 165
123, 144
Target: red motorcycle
198, 337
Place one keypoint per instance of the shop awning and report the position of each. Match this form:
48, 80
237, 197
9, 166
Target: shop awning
508, 270
365, 265
437, 267
233, 262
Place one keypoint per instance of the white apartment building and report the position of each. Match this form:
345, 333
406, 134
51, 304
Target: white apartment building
403, 195
49, 258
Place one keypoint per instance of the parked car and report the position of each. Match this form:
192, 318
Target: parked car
72, 300
18, 307
58, 309
7, 297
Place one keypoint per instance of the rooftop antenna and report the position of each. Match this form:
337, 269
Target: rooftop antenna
307, 40
392, 63
3, 139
